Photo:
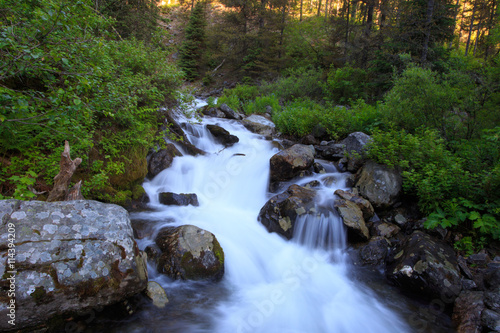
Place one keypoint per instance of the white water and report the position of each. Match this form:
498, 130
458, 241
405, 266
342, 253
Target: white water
273, 285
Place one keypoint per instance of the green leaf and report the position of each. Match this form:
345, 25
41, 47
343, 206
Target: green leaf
474, 216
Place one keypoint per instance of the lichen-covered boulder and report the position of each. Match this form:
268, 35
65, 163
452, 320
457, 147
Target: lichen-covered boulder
162, 159
190, 253
352, 216
222, 136
178, 199
291, 162
380, 184
71, 256
260, 125
426, 266
280, 212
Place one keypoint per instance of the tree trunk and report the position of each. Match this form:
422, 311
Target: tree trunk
369, 17
63, 178
319, 8
455, 20
428, 20
477, 38
301, 5
347, 26
326, 10
470, 30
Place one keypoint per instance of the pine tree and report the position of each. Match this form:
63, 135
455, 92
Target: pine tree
191, 52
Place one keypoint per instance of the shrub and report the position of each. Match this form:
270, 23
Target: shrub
346, 84
238, 96
261, 104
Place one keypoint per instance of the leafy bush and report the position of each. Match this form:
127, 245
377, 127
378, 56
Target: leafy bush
451, 189
346, 84
299, 117
238, 96
261, 104
66, 78
304, 82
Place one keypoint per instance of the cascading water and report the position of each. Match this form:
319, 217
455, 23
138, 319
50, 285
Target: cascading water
270, 284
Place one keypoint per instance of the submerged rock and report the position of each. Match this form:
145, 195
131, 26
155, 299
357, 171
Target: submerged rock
291, 162
162, 159
380, 184
426, 266
190, 253
222, 136
71, 256
280, 212
181, 199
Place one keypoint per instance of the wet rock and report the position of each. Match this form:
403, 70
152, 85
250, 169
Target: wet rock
312, 184
467, 311
352, 216
157, 294
309, 140
142, 228
319, 131
379, 184
260, 125
222, 136
190, 253
153, 253
492, 300
162, 159
479, 259
468, 284
182, 199
363, 204
229, 113
375, 251
355, 143
318, 168
213, 112
491, 320
331, 151
400, 220
387, 230
71, 256
291, 162
280, 212
426, 266
492, 279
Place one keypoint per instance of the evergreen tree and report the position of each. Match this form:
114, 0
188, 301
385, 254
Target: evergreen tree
191, 52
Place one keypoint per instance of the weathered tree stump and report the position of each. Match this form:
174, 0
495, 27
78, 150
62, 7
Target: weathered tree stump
63, 178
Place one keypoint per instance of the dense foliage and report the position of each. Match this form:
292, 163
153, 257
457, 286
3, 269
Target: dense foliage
67, 75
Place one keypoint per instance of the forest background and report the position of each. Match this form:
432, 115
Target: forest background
421, 76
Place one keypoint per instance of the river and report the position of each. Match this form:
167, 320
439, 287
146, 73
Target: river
306, 285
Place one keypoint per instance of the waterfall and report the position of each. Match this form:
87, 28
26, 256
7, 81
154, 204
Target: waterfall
270, 285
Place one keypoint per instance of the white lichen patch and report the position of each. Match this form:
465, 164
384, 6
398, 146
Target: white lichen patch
407, 270
50, 228
19, 215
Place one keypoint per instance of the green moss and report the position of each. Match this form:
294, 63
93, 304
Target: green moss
39, 295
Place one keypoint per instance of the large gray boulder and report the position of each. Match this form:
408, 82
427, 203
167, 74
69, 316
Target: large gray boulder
380, 184
190, 253
291, 162
280, 212
162, 159
355, 146
70, 256
260, 125
426, 266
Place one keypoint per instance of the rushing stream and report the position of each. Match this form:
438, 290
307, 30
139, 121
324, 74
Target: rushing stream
270, 285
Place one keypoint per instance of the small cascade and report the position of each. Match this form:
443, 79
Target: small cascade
322, 231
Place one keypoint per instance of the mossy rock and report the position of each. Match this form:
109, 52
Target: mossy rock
190, 253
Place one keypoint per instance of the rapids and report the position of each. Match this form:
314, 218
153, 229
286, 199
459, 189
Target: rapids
270, 285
